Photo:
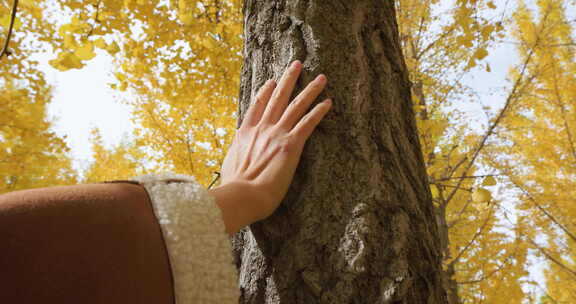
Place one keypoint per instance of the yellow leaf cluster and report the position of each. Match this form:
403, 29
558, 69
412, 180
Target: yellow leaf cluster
477, 258
122, 162
541, 159
31, 154
183, 67
66, 61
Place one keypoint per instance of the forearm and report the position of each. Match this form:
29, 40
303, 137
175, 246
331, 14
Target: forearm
96, 243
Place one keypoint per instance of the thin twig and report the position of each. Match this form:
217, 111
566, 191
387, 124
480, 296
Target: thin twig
10, 28
461, 177
568, 44
97, 6
215, 179
518, 86
451, 186
513, 95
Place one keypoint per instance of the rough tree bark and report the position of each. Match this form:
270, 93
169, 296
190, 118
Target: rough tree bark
357, 225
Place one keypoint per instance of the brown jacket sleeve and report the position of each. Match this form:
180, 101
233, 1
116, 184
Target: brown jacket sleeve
96, 243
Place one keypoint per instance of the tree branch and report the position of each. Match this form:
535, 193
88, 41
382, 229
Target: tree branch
549, 297
461, 177
543, 45
10, 28
551, 258
520, 82
513, 94
548, 214
476, 235
484, 277
562, 107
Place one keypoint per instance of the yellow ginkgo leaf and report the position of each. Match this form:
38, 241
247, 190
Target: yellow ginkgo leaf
69, 41
465, 40
70, 60
186, 18
481, 195
100, 43
184, 14
487, 31
489, 181
85, 52
182, 5
6, 19
120, 76
27, 3
481, 54
66, 61
113, 48
471, 64
434, 190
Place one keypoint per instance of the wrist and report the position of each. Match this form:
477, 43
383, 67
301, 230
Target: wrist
238, 205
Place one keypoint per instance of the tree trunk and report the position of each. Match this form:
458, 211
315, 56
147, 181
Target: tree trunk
357, 225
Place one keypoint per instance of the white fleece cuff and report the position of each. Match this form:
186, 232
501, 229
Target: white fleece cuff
199, 249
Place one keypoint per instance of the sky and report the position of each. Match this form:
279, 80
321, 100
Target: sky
82, 101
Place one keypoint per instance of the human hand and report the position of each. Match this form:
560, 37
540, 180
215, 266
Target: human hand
262, 159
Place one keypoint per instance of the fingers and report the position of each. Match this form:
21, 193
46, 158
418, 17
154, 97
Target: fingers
308, 123
282, 93
302, 102
259, 105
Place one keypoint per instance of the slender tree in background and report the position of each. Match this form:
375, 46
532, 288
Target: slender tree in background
357, 225
438, 62
119, 162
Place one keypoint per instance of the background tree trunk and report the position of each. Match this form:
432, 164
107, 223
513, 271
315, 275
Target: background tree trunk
357, 225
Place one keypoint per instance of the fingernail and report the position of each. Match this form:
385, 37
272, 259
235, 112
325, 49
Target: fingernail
296, 63
328, 102
321, 78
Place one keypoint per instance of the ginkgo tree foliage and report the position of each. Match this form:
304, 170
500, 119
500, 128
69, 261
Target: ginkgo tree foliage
442, 45
31, 154
538, 154
119, 162
180, 60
